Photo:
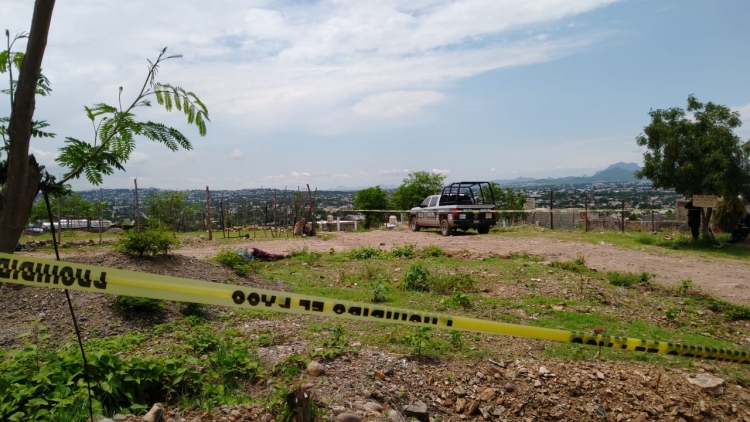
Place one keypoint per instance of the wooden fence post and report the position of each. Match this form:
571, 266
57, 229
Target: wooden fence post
551, 207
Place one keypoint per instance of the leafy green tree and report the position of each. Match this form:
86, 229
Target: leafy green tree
168, 208
696, 156
115, 131
72, 205
373, 198
728, 213
415, 188
509, 199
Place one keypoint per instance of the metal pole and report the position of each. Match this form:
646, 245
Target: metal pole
623, 216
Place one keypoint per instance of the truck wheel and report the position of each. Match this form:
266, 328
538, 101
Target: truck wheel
483, 229
445, 227
413, 224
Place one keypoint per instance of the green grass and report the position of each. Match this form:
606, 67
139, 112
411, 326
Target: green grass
520, 290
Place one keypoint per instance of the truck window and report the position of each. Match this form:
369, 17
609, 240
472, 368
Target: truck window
433, 200
425, 203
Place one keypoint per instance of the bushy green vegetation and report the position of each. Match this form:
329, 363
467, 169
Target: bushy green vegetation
147, 242
406, 251
38, 385
366, 252
138, 306
232, 260
623, 279
212, 361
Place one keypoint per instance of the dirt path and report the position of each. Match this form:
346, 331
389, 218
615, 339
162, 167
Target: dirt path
726, 278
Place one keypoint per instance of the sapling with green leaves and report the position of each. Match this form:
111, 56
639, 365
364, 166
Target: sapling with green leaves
115, 131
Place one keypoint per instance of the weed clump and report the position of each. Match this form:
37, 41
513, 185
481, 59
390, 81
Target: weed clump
232, 260
578, 265
138, 306
406, 251
366, 252
416, 278
432, 251
305, 255
450, 283
628, 280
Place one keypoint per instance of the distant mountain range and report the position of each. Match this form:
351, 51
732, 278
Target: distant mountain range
618, 172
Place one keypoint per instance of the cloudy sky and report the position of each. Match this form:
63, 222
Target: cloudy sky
358, 93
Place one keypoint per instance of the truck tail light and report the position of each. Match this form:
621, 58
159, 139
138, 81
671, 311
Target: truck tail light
455, 212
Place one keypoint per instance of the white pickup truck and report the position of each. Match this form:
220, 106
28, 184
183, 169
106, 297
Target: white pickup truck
461, 205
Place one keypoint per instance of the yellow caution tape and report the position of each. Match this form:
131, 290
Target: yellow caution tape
41, 272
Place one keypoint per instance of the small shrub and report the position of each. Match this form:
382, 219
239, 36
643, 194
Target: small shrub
369, 272
419, 339
335, 346
731, 311
378, 291
132, 305
645, 239
232, 260
617, 278
147, 242
446, 284
416, 278
461, 299
305, 255
685, 286
728, 214
192, 309
406, 251
457, 339
578, 265
365, 252
291, 366
432, 251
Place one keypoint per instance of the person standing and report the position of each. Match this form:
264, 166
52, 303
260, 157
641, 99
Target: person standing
694, 219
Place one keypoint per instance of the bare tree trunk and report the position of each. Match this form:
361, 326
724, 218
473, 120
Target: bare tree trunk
706, 222
24, 173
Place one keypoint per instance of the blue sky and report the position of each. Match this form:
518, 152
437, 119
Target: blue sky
360, 93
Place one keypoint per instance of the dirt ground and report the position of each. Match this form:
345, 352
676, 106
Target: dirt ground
725, 278
518, 386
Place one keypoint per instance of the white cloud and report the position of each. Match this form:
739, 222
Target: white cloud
441, 171
393, 171
236, 155
271, 177
492, 169
300, 174
744, 112
138, 158
43, 156
395, 103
